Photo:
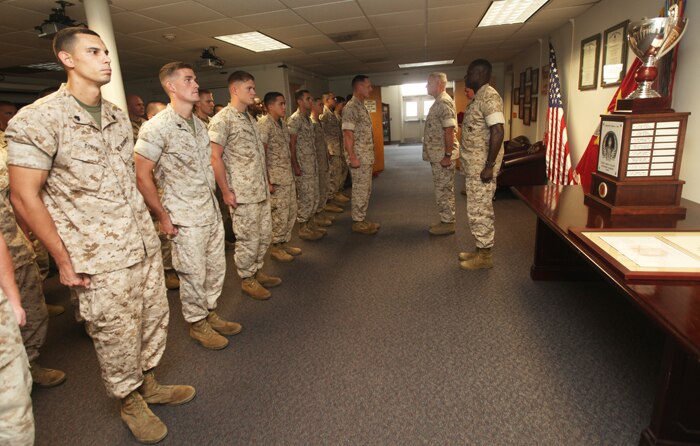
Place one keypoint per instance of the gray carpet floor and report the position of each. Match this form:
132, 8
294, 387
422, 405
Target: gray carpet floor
384, 340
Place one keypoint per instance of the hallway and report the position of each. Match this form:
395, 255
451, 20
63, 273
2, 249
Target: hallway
384, 340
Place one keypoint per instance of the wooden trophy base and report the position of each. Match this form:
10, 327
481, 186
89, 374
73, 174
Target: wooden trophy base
658, 197
644, 105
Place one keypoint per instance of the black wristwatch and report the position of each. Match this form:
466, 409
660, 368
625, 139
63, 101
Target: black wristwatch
491, 164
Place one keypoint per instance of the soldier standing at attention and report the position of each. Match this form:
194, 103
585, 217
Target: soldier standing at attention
72, 180
137, 111
340, 197
305, 167
322, 167
359, 148
29, 281
333, 134
283, 193
481, 153
204, 108
16, 417
174, 146
439, 144
238, 159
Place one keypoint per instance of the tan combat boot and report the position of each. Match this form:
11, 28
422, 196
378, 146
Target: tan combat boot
172, 282
202, 332
466, 255
306, 233
54, 310
341, 198
153, 392
279, 254
223, 326
362, 227
330, 207
482, 260
442, 229
252, 288
291, 250
322, 220
44, 377
268, 281
146, 427
374, 225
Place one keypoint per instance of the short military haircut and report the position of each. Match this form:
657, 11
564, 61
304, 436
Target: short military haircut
318, 100
327, 95
483, 64
169, 69
340, 99
358, 79
151, 107
65, 38
240, 76
438, 75
204, 91
300, 94
271, 97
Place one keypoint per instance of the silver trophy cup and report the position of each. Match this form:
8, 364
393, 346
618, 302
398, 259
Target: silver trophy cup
651, 39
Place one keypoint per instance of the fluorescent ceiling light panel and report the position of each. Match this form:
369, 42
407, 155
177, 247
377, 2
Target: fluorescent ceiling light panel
507, 12
254, 41
426, 64
48, 66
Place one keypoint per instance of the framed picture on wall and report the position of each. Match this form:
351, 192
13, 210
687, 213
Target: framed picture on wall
589, 61
614, 55
528, 94
533, 109
526, 115
522, 81
535, 80
516, 96
528, 75
521, 109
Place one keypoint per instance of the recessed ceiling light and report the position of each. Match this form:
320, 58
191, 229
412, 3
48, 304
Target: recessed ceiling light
426, 64
254, 41
507, 12
48, 66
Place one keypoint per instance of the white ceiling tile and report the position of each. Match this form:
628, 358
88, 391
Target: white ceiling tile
260, 21
331, 11
132, 5
372, 7
182, 13
217, 27
343, 26
238, 8
20, 18
398, 19
286, 32
131, 22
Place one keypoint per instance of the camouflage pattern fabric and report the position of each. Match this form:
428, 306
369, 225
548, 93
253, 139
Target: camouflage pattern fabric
444, 185
361, 191
252, 224
136, 126
283, 205
279, 161
332, 132
441, 115
244, 154
91, 189
485, 110
16, 417
322, 164
31, 292
307, 183
200, 262
335, 175
131, 339
356, 118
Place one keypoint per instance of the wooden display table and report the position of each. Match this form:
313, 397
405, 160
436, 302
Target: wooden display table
673, 306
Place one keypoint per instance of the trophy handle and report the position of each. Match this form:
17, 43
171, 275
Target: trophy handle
676, 35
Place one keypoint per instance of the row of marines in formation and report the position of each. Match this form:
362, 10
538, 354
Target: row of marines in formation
84, 189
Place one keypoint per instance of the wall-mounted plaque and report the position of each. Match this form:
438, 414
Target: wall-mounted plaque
588, 66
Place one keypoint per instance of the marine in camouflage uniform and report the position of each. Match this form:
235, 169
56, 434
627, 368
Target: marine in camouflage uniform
240, 153
359, 146
283, 200
300, 125
439, 128
182, 159
333, 135
481, 153
29, 281
16, 417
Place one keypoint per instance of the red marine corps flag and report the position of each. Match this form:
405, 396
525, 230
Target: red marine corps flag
556, 138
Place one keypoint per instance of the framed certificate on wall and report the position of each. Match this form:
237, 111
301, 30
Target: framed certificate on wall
614, 55
588, 67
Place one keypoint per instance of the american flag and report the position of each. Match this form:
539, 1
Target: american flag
556, 139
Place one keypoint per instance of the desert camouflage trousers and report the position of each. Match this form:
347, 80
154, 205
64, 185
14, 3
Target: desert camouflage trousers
444, 183
361, 191
283, 205
480, 210
200, 262
29, 283
335, 172
126, 315
16, 417
307, 196
252, 225
42, 257
323, 184
165, 248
